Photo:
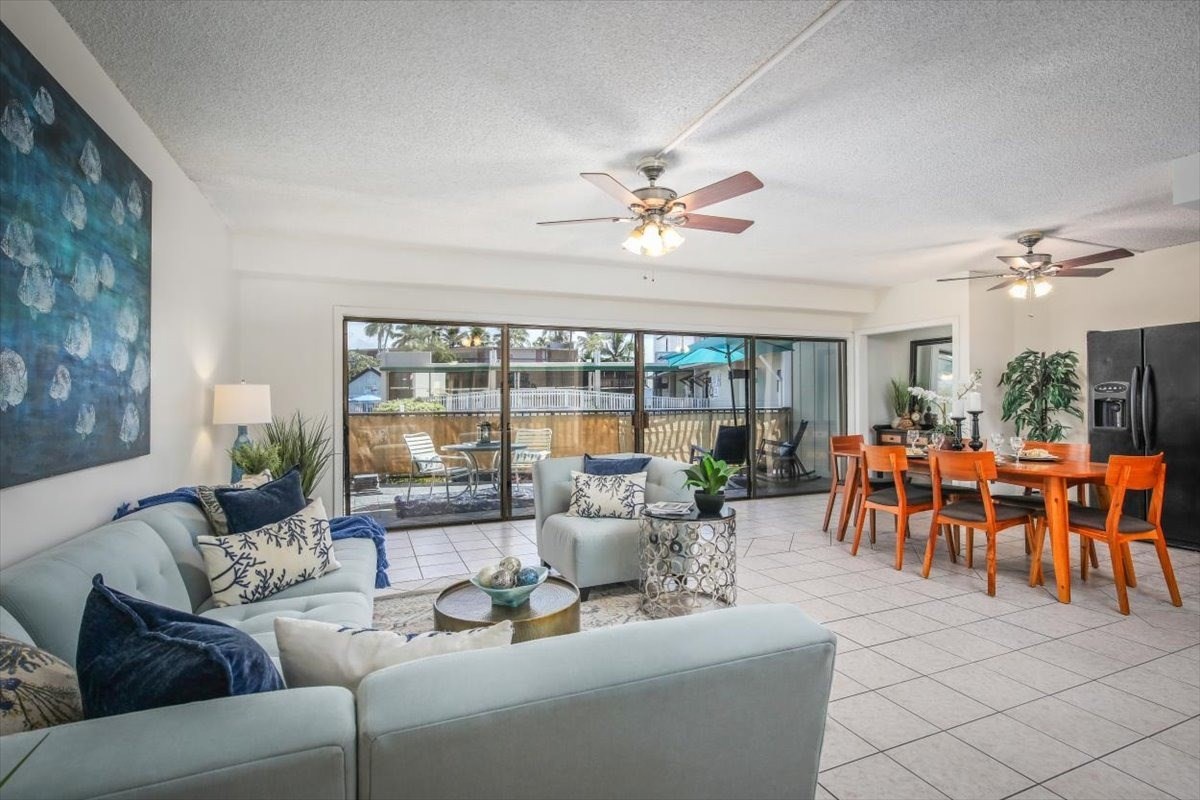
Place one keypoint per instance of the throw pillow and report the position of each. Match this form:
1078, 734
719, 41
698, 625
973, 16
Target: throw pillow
37, 689
621, 496
614, 466
245, 567
249, 509
324, 654
135, 655
212, 509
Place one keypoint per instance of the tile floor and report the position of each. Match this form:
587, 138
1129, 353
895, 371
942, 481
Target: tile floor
940, 690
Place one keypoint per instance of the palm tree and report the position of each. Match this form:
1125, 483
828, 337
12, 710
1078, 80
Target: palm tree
382, 331
618, 348
518, 337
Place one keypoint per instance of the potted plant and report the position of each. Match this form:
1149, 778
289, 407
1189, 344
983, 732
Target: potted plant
1040, 386
898, 400
302, 443
708, 478
256, 458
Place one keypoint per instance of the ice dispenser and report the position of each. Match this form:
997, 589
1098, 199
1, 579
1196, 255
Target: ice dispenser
1110, 405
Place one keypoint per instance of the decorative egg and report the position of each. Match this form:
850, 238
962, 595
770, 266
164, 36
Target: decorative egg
511, 563
485, 575
527, 577
503, 579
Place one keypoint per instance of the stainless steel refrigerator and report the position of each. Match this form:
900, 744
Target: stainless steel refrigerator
1144, 398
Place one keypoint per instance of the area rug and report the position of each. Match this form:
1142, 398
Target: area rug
413, 612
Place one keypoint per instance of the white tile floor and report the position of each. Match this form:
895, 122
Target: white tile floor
940, 690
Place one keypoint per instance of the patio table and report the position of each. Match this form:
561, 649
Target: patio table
472, 451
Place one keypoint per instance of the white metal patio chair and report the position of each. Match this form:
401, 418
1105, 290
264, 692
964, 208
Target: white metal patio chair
428, 463
537, 447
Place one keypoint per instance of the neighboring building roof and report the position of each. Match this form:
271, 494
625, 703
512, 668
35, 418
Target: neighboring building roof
362, 372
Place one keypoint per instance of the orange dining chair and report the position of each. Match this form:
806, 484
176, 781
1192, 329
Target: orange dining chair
982, 512
900, 498
841, 450
1035, 503
1117, 529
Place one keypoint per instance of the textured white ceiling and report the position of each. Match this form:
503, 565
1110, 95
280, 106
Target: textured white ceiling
906, 139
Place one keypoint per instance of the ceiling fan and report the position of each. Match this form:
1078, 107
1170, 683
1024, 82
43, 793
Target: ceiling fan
1028, 272
659, 211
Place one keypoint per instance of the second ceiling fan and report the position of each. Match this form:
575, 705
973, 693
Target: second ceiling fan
1027, 276
659, 211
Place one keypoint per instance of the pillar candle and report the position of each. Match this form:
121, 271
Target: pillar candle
957, 410
974, 402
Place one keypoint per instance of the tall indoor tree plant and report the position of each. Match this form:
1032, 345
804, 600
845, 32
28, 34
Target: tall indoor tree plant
1040, 387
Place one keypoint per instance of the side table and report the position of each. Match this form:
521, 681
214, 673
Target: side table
687, 563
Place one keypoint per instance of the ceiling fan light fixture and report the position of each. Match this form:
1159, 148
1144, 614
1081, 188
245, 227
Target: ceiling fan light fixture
671, 237
1041, 287
634, 242
1019, 290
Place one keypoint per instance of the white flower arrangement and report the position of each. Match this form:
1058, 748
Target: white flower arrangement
931, 400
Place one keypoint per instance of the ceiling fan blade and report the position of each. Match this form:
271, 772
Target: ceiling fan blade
1004, 284
973, 277
1082, 272
612, 187
704, 222
732, 186
592, 219
1083, 261
1015, 262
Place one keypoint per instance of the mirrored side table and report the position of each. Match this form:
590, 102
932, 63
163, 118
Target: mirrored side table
688, 563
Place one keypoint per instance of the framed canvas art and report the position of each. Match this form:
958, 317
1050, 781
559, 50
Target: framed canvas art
74, 282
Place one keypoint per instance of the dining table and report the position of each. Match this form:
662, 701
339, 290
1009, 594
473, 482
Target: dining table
1053, 478
472, 450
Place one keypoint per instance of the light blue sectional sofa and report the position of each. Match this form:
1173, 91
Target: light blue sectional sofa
725, 704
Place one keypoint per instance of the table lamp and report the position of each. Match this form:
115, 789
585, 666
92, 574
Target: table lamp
241, 404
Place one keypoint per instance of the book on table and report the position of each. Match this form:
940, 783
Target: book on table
670, 509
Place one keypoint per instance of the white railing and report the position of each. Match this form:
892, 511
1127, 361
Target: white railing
564, 399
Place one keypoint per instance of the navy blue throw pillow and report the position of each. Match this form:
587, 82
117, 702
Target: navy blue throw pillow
135, 655
250, 509
614, 466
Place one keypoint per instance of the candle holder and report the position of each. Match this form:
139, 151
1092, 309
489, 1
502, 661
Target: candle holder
956, 441
976, 442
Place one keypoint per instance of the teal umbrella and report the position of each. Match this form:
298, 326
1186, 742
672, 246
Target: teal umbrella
720, 350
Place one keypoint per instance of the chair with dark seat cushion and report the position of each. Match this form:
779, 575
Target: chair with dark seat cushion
1138, 473
774, 456
984, 513
896, 500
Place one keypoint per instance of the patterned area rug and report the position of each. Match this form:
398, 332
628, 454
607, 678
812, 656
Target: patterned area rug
413, 612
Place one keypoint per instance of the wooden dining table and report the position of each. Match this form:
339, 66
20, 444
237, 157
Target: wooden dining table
1053, 478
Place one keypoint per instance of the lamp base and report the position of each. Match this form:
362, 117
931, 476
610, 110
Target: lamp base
243, 438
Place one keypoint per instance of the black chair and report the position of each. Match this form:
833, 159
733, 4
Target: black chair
783, 458
731, 446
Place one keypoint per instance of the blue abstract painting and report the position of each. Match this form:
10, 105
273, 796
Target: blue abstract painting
74, 283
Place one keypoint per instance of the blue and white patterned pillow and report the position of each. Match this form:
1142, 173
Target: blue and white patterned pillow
315, 653
620, 496
37, 689
251, 566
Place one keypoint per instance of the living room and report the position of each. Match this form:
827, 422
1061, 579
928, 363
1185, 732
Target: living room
358, 234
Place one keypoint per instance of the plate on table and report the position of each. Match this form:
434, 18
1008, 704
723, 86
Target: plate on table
1039, 457
915, 452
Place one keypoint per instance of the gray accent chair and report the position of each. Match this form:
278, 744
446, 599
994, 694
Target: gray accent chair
593, 552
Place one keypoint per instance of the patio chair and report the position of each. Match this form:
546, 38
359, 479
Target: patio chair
428, 463
783, 458
732, 446
537, 447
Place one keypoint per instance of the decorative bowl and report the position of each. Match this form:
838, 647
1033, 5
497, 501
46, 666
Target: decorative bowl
516, 595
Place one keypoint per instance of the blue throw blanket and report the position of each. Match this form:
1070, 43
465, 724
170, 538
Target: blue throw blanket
339, 527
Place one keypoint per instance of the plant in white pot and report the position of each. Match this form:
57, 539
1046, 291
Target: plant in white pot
709, 478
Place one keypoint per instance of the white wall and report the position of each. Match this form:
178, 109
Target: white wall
291, 327
887, 358
193, 324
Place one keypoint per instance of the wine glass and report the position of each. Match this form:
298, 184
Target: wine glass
936, 440
997, 442
1017, 443
911, 437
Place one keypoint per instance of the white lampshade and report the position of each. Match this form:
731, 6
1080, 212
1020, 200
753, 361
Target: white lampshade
241, 404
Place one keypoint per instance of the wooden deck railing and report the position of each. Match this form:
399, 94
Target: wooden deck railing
376, 441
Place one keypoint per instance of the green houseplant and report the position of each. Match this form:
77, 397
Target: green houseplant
1038, 388
898, 400
256, 457
708, 478
303, 443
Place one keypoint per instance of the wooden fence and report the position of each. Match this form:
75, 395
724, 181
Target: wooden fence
376, 440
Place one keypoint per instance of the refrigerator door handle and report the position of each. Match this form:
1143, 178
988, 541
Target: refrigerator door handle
1135, 388
1148, 415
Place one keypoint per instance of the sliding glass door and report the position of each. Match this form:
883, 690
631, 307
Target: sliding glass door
445, 422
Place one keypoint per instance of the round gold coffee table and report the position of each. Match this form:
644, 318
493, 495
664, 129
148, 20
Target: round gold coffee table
552, 610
